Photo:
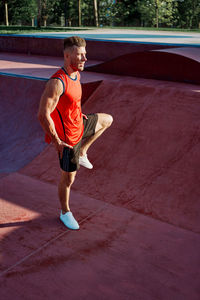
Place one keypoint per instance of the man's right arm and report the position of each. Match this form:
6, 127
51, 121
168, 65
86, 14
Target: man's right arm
48, 102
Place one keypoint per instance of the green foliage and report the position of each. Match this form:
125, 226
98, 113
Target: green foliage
64, 13
47, 7
117, 12
168, 13
87, 13
147, 12
189, 14
19, 11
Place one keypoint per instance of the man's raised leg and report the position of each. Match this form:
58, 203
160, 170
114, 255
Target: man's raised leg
104, 121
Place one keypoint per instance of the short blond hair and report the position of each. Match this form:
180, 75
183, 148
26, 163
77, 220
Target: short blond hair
72, 41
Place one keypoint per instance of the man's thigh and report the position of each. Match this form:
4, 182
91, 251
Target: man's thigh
90, 125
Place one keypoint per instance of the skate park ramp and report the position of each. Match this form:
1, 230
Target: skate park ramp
19, 126
138, 209
176, 64
147, 161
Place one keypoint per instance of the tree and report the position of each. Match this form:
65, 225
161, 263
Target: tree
158, 12
157, 4
47, 9
39, 12
79, 13
151, 13
188, 13
51, 11
21, 11
88, 13
6, 13
147, 11
66, 9
96, 18
117, 12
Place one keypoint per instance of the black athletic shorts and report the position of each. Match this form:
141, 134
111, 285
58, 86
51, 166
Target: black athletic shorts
70, 159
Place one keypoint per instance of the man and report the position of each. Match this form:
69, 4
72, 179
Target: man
70, 131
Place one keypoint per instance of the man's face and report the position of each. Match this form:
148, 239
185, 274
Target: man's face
77, 58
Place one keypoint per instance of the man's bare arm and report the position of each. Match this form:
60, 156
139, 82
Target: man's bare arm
48, 102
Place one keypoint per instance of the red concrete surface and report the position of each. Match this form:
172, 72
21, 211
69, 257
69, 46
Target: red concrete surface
42, 67
21, 135
138, 208
37, 65
177, 64
151, 153
117, 254
18, 112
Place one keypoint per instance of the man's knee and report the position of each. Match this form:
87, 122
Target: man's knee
109, 120
67, 178
106, 120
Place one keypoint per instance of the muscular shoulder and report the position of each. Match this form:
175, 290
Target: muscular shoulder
54, 86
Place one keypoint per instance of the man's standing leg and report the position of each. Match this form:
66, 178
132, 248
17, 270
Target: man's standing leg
64, 187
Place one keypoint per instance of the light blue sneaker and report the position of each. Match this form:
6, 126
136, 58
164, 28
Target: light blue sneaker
69, 220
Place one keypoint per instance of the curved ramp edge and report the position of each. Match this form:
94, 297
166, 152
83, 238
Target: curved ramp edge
190, 52
166, 64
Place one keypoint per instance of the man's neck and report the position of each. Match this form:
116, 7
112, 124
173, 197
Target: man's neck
70, 72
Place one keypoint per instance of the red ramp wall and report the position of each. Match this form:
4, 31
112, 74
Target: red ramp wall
21, 135
168, 64
149, 160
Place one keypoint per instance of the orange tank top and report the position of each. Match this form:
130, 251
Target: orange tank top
67, 115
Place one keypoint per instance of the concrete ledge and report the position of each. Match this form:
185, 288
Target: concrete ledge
96, 50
